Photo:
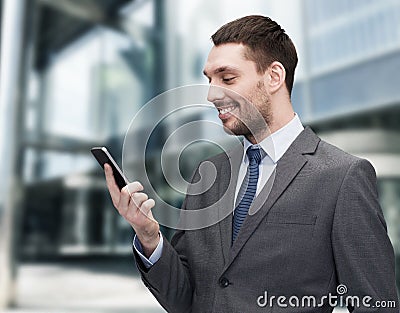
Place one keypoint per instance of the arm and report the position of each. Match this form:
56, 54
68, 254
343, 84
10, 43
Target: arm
362, 250
154, 257
168, 278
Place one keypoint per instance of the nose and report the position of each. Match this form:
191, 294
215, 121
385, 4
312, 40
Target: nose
215, 93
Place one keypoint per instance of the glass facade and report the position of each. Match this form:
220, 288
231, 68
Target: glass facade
373, 84
350, 40
350, 30
84, 95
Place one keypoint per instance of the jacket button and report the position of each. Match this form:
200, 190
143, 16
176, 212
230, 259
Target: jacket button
223, 282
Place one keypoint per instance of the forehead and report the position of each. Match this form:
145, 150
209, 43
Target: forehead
229, 55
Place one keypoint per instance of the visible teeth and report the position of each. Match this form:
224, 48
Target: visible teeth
226, 110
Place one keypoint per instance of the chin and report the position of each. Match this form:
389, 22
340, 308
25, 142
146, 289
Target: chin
233, 130
229, 130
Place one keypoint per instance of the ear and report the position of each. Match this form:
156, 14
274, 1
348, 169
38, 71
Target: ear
276, 75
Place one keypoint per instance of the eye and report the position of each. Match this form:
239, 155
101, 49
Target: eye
228, 79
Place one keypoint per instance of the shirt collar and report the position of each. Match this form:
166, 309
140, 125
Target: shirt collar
278, 142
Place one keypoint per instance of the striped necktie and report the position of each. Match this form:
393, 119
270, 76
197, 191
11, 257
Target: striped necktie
250, 183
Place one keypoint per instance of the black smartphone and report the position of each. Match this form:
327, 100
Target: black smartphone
103, 156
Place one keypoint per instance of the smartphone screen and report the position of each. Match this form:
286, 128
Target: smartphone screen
103, 156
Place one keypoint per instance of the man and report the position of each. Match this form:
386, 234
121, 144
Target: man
320, 226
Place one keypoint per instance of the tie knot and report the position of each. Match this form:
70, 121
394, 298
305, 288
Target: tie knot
254, 155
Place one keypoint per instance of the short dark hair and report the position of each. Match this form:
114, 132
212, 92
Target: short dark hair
266, 42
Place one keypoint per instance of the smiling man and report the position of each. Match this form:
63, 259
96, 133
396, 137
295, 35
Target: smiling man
318, 231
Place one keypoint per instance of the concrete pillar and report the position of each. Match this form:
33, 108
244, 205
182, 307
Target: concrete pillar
11, 126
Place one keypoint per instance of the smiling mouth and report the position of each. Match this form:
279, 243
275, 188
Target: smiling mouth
226, 109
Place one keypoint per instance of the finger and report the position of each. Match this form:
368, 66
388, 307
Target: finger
124, 200
147, 206
137, 199
125, 197
111, 184
134, 187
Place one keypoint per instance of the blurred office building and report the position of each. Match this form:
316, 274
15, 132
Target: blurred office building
73, 75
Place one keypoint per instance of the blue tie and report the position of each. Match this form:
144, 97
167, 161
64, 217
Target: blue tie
250, 183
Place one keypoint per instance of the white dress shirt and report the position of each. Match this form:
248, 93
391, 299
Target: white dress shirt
274, 145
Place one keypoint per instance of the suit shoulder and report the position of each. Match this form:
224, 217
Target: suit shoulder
334, 151
220, 157
333, 157
223, 156
217, 160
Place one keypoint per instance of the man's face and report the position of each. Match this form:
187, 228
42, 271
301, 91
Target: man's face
237, 90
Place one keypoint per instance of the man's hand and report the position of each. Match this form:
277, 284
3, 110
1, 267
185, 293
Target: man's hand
135, 207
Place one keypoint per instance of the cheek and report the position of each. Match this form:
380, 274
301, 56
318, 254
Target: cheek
244, 87
243, 95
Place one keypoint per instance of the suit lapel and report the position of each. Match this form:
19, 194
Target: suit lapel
286, 170
226, 188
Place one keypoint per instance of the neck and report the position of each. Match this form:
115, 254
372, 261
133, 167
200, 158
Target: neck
277, 122
257, 138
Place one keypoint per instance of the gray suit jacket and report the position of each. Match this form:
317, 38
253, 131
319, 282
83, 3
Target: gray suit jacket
320, 226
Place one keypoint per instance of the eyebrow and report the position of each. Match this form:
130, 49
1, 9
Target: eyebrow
221, 69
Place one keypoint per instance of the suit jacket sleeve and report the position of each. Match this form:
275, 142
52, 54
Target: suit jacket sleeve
363, 253
169, 279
